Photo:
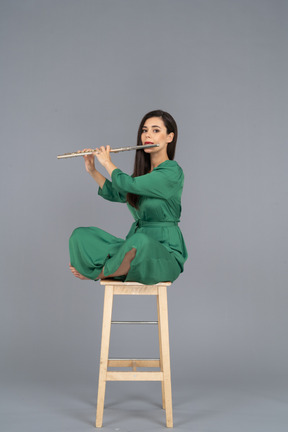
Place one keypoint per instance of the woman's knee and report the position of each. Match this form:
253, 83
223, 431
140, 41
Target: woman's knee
76, 235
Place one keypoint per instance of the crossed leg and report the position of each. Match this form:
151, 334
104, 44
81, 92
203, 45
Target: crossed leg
123, 269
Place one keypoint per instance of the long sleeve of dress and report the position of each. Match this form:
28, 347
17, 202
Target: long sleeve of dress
162, 182
109, 193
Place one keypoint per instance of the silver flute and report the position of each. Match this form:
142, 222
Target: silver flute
115, 150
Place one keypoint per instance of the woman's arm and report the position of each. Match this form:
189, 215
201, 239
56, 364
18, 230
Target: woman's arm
98, 177
163, 182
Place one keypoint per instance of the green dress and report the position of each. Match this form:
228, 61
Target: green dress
159, 244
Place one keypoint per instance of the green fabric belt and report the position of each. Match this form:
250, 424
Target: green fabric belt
141, 223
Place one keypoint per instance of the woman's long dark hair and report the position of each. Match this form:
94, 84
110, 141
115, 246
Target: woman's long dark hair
142, 164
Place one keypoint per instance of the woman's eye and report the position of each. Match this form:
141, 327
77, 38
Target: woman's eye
154, 130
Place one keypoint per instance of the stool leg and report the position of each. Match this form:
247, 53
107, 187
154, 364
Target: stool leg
161, 355
164, 330
106, 330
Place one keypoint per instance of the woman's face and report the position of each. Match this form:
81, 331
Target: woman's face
154, 132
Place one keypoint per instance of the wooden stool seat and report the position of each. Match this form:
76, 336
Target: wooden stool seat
113, 287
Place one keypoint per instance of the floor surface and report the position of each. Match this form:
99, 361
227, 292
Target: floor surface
136, 407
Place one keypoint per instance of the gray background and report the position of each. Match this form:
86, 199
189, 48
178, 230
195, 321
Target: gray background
77, 74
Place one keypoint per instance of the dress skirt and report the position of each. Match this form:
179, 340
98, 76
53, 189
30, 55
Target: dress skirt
92, 248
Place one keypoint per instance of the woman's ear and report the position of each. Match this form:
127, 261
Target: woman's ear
170, 137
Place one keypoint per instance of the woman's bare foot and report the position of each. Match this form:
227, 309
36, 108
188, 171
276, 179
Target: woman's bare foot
76, 273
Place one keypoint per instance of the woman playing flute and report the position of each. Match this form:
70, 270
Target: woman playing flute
154, 249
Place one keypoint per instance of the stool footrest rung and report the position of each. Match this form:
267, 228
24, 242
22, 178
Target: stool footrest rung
134, 362
134, 376
134, 322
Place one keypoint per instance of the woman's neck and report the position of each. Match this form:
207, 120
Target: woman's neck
157, 160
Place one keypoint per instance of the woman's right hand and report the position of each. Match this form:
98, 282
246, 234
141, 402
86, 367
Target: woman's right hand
89, 162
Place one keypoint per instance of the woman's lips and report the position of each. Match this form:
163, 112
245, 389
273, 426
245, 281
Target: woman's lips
148, 142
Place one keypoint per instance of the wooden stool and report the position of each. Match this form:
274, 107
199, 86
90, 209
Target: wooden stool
164, 375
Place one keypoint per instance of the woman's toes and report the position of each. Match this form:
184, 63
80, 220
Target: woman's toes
76, 273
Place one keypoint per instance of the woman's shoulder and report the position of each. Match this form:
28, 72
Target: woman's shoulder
170, 165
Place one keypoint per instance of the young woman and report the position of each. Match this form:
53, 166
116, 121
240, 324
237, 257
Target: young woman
154, 249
